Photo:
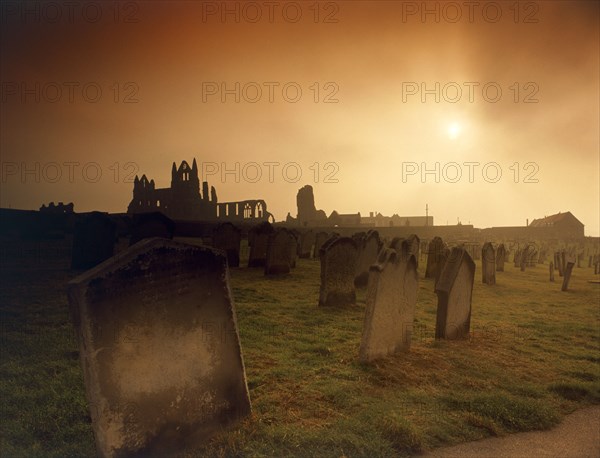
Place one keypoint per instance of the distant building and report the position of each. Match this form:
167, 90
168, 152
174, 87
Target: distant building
183, 200
561, 224
59, 208
378, 220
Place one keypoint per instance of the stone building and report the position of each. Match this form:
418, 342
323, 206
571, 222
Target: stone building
184, 201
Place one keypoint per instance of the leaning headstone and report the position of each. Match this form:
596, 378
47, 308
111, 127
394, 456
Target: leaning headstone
279, 256
228, 238
367, 255
338, 267
320, 239
500, 257
153, 224
306, 242
390, 305
260, 239
159, 347
570, 262
94, 239
454, 291
434, 253
488, 261
551, 271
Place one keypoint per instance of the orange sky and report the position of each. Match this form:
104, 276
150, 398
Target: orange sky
370, 57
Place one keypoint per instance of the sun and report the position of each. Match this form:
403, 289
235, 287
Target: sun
454, 130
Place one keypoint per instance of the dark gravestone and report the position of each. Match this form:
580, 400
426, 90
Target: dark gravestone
570, 262
440, 265
590, 262
551, 271
293, 248
402, 246
279, 256
488, 264
500, 258
561, 263
434, 254
320, 239
94, 239
524, 258
148, 225
307, 240
159, 347
367, 255
454, 290
338, 266
415, 244
259, 235
228, 238
517, 257
390, 305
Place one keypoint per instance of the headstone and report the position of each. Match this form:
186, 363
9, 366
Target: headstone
367, 255
561, 263
279, 256
338, 267
320, 238
153, 224
524, 258
260, 238
390, 305
414, 243
579, 259
94, 239
434, 254
517, 257
551, 271
307, 240
500, 257
293, 249
440, 265
159, 347
228, 238
488, 264
454, 291
570, 262
590, 262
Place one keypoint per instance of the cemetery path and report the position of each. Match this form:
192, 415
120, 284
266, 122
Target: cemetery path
578, 436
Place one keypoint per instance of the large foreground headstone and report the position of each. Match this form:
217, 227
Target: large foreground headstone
228, 238
338, 267
279, 256
259, 237
159, 348
368, 251
488, 264
454, 290
93, 240
390, 305
500, 257
153, 224
435, 252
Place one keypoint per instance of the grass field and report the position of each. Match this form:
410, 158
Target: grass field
533, 356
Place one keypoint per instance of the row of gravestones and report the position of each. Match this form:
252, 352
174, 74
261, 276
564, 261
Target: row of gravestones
392, 285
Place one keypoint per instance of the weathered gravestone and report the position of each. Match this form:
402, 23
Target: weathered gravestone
561, 263
442, 262
390, 305
579, 259
368, 250
415, 244
228, 238
568, 269
400, 245
590, 262
279, 256
488, 261
435, 252
500, 257
159, 348
454, 290
94, 239
148, 225
259, 237
517, 257
320, 238
338, 267
551, 271
306, 242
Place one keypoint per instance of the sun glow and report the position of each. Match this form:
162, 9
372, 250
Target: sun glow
454, 130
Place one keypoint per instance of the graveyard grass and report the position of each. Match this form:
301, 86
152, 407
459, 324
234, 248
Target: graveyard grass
533, 357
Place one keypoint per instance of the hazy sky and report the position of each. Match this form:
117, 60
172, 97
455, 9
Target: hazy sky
160, 68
